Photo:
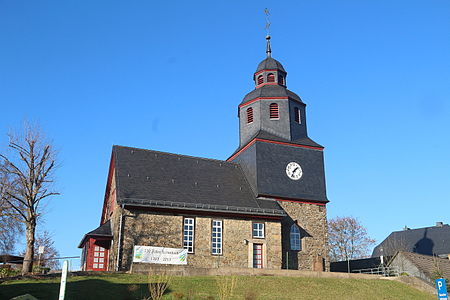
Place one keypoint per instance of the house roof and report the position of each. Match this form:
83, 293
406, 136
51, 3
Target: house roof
271, 91
427, 264
428, 240
264, 135
103, 230
158, 179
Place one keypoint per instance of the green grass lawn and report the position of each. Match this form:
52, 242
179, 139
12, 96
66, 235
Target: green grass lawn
126, 286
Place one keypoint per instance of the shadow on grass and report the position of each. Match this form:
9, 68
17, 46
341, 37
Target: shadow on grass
84, 289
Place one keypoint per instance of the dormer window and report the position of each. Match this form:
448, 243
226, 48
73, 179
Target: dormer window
249, 115
280, 79
270, 77
297, 115
273, 108
260, 79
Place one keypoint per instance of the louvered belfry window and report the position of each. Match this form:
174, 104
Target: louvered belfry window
280, 79
297, 115
274, 111
271, 78
260, 79
249, 115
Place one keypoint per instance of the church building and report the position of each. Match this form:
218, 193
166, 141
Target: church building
263, 207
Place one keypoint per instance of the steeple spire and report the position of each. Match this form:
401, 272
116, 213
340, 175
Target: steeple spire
268, 49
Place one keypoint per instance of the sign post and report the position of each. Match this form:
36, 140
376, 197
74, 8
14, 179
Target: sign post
62, 288
441, 289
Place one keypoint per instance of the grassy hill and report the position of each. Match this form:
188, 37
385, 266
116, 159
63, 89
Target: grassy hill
134, 286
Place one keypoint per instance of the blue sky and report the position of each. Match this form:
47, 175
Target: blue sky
168, 76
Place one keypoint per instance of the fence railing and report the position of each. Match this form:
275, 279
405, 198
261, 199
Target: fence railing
384, 271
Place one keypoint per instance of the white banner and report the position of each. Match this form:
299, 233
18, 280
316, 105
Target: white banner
160, 255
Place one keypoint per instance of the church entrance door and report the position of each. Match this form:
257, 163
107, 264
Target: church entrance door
257, 256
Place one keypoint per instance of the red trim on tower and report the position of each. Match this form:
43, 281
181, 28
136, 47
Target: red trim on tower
245, 147
289, 144
267, 83
266, 70
272, 142
261, 98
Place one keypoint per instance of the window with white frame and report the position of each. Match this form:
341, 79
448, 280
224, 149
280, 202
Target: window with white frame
258, 230
188, 234
217, 237
295, 236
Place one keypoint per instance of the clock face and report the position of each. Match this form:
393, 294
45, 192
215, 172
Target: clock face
294, 171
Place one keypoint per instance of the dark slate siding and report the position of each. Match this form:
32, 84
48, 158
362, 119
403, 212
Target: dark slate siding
272, 179
247, 160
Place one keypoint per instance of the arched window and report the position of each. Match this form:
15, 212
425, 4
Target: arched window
249, 115
295, 238
280, 79
270, 77
297, 115
274, 111
260, 79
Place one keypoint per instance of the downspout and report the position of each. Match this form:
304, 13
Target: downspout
120, 238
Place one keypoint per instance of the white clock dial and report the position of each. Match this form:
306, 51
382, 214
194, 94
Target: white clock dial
294, 171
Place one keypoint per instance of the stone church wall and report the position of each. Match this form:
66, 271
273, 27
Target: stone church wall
165, 230
312, 220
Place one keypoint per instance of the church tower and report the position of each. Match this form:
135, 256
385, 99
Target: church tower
282, 163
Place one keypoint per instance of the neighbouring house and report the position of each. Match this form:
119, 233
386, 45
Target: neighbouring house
263, 207
425, 267
434, 240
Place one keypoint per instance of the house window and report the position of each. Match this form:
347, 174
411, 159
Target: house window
270, 77
274, 111
258, 230
249, 115
188, 234
260, 79
216, 237
297, 115
295, 238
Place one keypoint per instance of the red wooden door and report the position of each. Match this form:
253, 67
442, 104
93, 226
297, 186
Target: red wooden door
257, 256
100, 258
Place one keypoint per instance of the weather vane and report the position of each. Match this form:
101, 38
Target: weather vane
266, 11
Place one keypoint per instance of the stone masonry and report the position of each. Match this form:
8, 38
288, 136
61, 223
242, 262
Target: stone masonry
311, 219
148, 228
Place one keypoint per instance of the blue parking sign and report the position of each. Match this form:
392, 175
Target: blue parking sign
441, 289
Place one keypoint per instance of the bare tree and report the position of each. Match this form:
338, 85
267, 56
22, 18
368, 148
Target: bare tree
10, 227
48, 257
29, 167
348, 239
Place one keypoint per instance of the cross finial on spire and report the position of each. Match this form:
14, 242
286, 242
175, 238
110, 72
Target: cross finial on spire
268, 49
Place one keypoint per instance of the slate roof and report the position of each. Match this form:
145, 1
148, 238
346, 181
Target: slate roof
158, 179
305, 141
103, 230
427, 264
428, 240
269, 64
271, 91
